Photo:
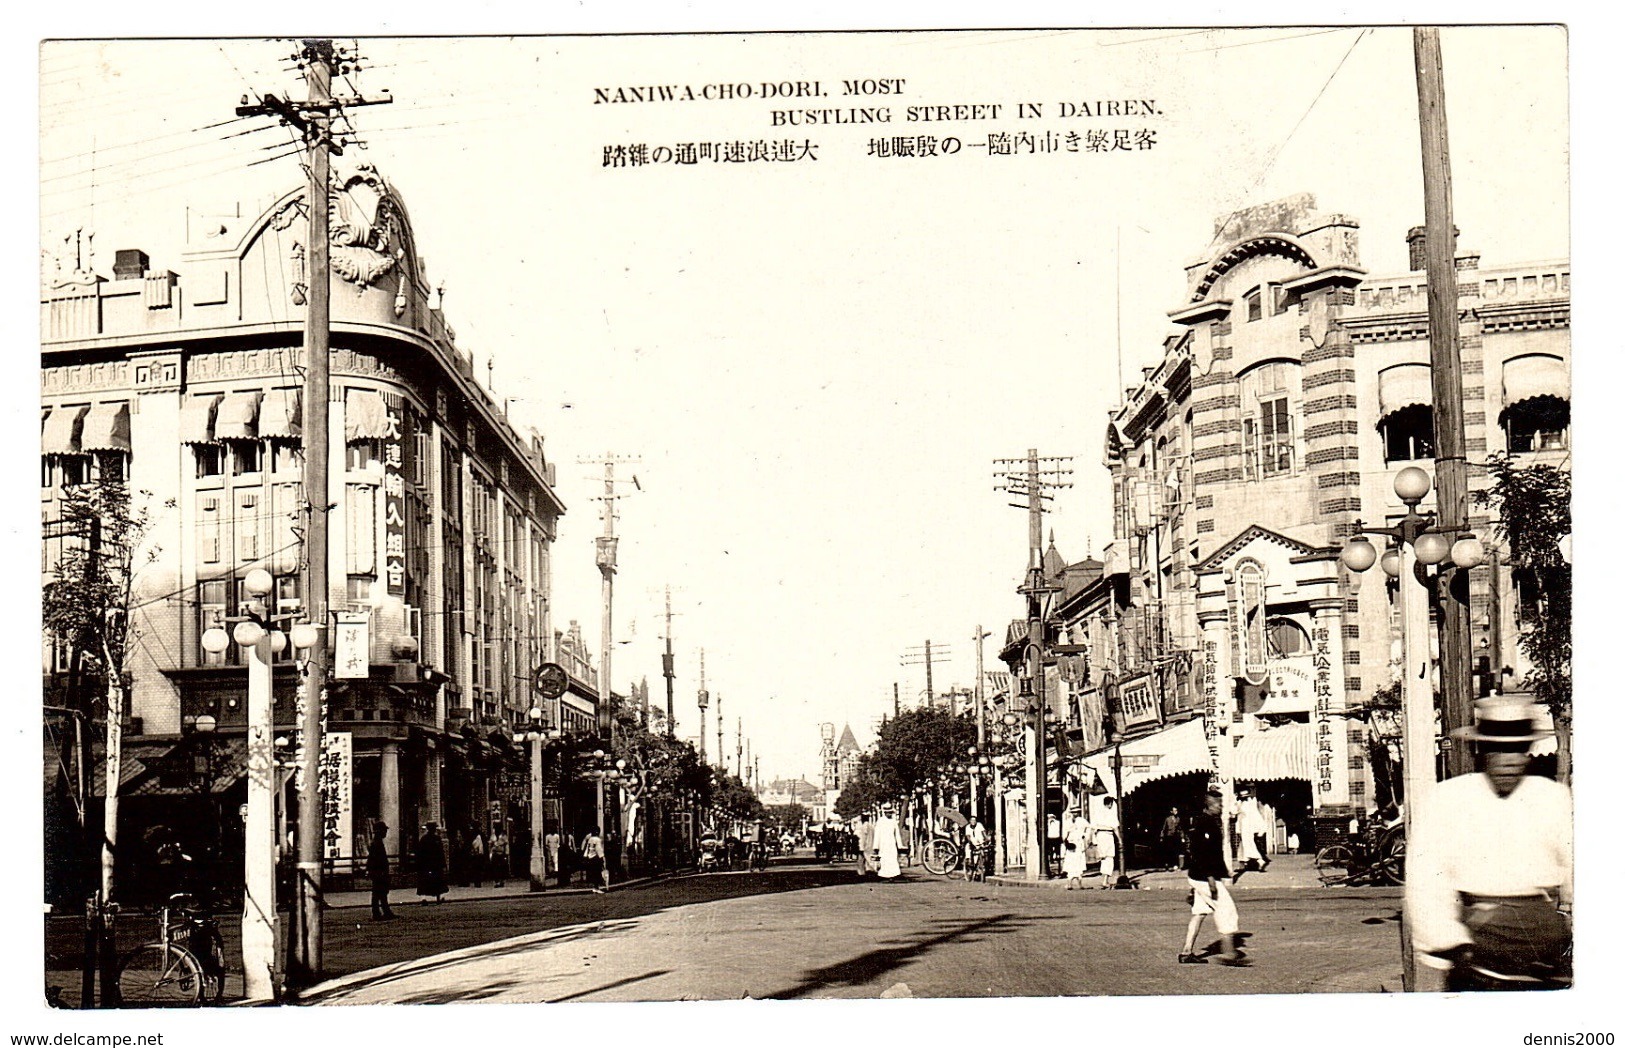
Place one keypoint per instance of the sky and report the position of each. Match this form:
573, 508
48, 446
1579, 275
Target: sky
814, 364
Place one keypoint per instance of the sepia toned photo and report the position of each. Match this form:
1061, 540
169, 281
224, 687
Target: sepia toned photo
821, 515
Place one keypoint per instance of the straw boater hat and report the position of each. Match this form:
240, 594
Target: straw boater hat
1502, 719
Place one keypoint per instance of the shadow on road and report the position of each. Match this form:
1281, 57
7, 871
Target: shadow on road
628, 981
867, 967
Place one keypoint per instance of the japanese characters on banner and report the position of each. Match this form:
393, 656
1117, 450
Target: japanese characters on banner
1330, 731
1212, 708
334, 781
394, 501
351, 660
1255, 647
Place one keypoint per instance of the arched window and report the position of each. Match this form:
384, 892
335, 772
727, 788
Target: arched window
1286, 639
1407, 434
1537, 424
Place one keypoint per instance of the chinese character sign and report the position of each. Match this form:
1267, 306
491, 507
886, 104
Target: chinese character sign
334, 780
1330, 743
350, 659
394, 507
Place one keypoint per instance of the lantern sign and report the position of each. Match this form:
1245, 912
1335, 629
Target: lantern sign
334, 781
350, 658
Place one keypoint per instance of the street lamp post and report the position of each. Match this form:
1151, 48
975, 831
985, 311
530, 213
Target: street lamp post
255, 632
203, 769
1117, 779
538, 735
1419, 543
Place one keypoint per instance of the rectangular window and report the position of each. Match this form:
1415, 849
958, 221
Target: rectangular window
1274, 437
211, 459
358, 589
363, 454
246, 526
208, 529
112, 466
246, 458
286, 457
360, 544
1255, 305
73, 470
211, 601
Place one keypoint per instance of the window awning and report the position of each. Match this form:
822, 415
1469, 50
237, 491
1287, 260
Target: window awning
197, 419
365, 415
279, 415
1402, 387
60, 435
1270, 754
238, 417
107, 428
1178, 750
1524, 378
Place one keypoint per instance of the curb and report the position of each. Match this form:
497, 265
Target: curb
527, 893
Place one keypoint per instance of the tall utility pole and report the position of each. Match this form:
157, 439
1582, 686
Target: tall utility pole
607, 544
1449, 421
704, 700
739, 746
668, 670
1033, 477
722, 754
981, 713
313, 120
924, 655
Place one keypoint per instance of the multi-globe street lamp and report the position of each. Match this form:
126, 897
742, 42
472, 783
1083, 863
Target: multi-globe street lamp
538, 734
1419, 542
256, 633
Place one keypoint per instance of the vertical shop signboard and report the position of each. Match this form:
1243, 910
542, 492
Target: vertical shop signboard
335, 783
394, 504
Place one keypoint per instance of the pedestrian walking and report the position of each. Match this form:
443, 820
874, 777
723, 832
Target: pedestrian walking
1490, 874
1052, 841
1105, 824
1206, 872
1172, 840
1253, 831
499, 857
592, 860
550, 843
430, 860
476, 857
866, 843
378, 871
886, 843
1075, 851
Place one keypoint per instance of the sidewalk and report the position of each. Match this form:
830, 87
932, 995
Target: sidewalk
406, 893
1286, 872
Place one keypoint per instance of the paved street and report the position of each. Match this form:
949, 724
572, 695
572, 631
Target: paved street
810, 932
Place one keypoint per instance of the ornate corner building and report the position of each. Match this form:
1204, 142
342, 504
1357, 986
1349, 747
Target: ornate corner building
188, 386
1227, 639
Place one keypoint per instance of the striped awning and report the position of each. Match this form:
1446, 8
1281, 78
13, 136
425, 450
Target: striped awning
107, 428
1270, 754
1524, 378
197, 419
366, 417
1177, 750
279, 415
238, 417
1403, 386
60, 435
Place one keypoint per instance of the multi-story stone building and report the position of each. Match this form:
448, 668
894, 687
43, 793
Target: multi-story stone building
189, 384
1296, 387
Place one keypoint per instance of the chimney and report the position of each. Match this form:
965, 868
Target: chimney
129, 264
1417, 240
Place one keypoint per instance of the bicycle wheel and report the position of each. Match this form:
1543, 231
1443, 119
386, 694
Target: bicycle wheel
159, 976
1334, 864
940, 856
1392, 864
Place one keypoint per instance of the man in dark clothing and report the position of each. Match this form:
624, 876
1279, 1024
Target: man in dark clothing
1173, 840
1207, 870
378, 870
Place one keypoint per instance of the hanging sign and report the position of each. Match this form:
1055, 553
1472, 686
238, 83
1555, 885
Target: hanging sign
350, 659
334, 781
394, 503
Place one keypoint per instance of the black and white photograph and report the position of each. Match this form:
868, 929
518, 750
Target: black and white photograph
811, 514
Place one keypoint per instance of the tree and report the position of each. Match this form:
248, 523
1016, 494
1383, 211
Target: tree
915, 746
861, 791
1532, 506
787, 818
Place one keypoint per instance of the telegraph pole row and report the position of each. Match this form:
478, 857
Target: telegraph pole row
1033, 477
924, 656
313, 120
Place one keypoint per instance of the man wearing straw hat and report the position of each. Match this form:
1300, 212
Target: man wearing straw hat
1491, 869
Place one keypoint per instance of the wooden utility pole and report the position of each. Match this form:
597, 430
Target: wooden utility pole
1033, 477
722, 754
924, 655
668, 670
703, 699
1449, 423
313, 120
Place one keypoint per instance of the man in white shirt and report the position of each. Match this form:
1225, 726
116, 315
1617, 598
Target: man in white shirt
1104, 823
1491, 868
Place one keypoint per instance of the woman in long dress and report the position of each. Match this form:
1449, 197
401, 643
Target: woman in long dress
886, 843
1074, 855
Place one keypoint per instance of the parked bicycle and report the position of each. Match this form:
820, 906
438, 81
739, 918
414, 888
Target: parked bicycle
1377, 859
185, 966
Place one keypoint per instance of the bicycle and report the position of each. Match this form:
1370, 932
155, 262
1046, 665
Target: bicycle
942, 856
1378, 861
184, 967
